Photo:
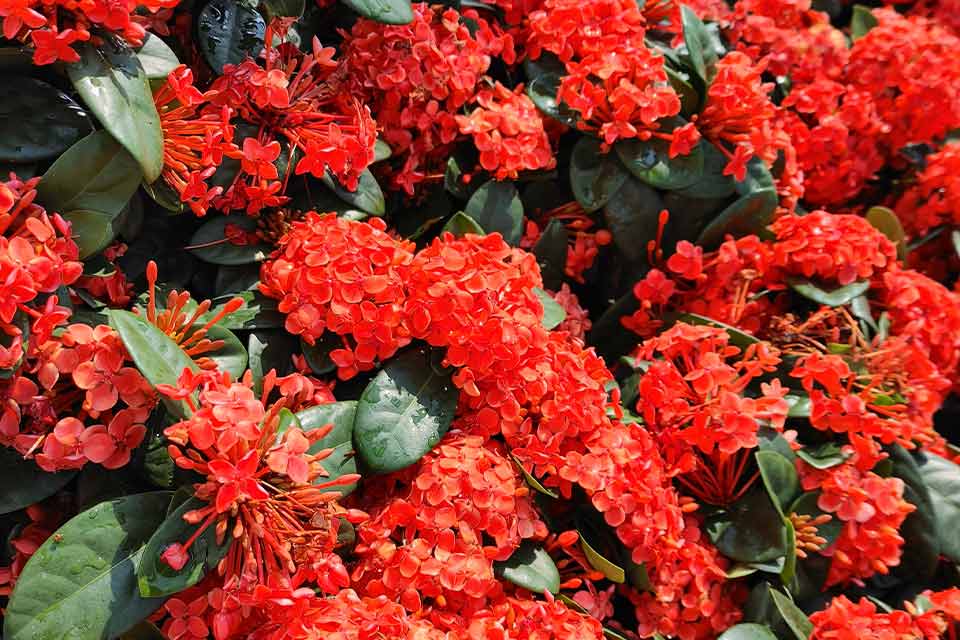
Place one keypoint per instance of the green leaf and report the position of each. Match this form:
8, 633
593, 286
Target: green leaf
283, 8
368, 196
886, 222
112, 82
799, 406
551, 253
712, 184
532, 481
159, 359
827, 455
649, 160
381, 151
749, 214
750, 530
81, 582
403, 412
342, 461
689, 97
748, 631
37, 120
257, 312
796, 619
461, 224
553, 313
209, 242
611, 571
228, 32
942, 478
632, 215
531, 568
921, 530
703, 58
779, 477
496, 207
806, 505
835, 298
231, 356
594, 176
156, 58
155, 578
861, 22
24, 483
385, 11
789, 571
144, 631
542, 91
268, 350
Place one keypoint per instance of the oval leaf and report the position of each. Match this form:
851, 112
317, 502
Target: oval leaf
553, 313
751, 530
542, 91
594, 176
748, 631
632, 215
496, 207
25, 483
551, 252
159, 359
156, 58
650, 161
37, 120
210, 242
368, 196
779, 477
155, 578
461, 224
114, 85
231, 356
834, 298
83, 578
403, 412
943, 482
530, 567
796, 619
611, 571
342, 460
229, 32
886, 222
385, 11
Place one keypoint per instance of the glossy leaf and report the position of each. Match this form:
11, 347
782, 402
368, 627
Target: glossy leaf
228, 32
747, 631
83, 577
632, 215
703, 58
750, 530
806, 505
542, 91
650, 161
796, 620
385, 11
342, 461
159, 359
496, 207
114, 86
861, 22
886, 222
825, 456
368, 197
532, 481
942, 478
461, 224
610, 570
712, 184
232, 356
403, 412
594, 176
210, 242
834, 298
155, 578
553, 313
531, 568
156, 58
25, 483
750, 213
779, 477
37, 120
551, 253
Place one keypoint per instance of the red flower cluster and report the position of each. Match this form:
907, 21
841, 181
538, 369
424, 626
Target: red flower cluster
416, 77
52, 27
934, 199
508, 132
844, 619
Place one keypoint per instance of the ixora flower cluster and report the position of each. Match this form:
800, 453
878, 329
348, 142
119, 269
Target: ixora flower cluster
515, 320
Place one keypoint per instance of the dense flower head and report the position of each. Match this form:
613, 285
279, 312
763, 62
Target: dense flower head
52, 27
416, 78
844, 619
831, 248
934, 198
508, 132
872, 509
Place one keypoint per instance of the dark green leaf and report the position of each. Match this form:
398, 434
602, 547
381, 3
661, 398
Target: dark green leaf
461, 224
747, 215
942, 478
37, 120
25, 483
806, 505
381, 151
385, 11
751, 530
739, 338
283, 8
712, 184
257, 312
649, 160
403, 412
551, 252
156, 58
144, 631
610, 570
825, 456
268, 350
594, 176
237, 278
531, 568
159, 359
342, 461
748, 631
789, 571
496, 207
228, 32
231, 356
886, 222
82, 579
632, 215
112, 82
210, 243
155, 578
835, 298
368, 197
542, 91
553, 313
862, 21
795, 618
703, 58
921, 529
689, 97
532, 481
779, 477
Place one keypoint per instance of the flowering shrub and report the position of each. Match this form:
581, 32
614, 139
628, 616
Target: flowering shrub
518, 320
